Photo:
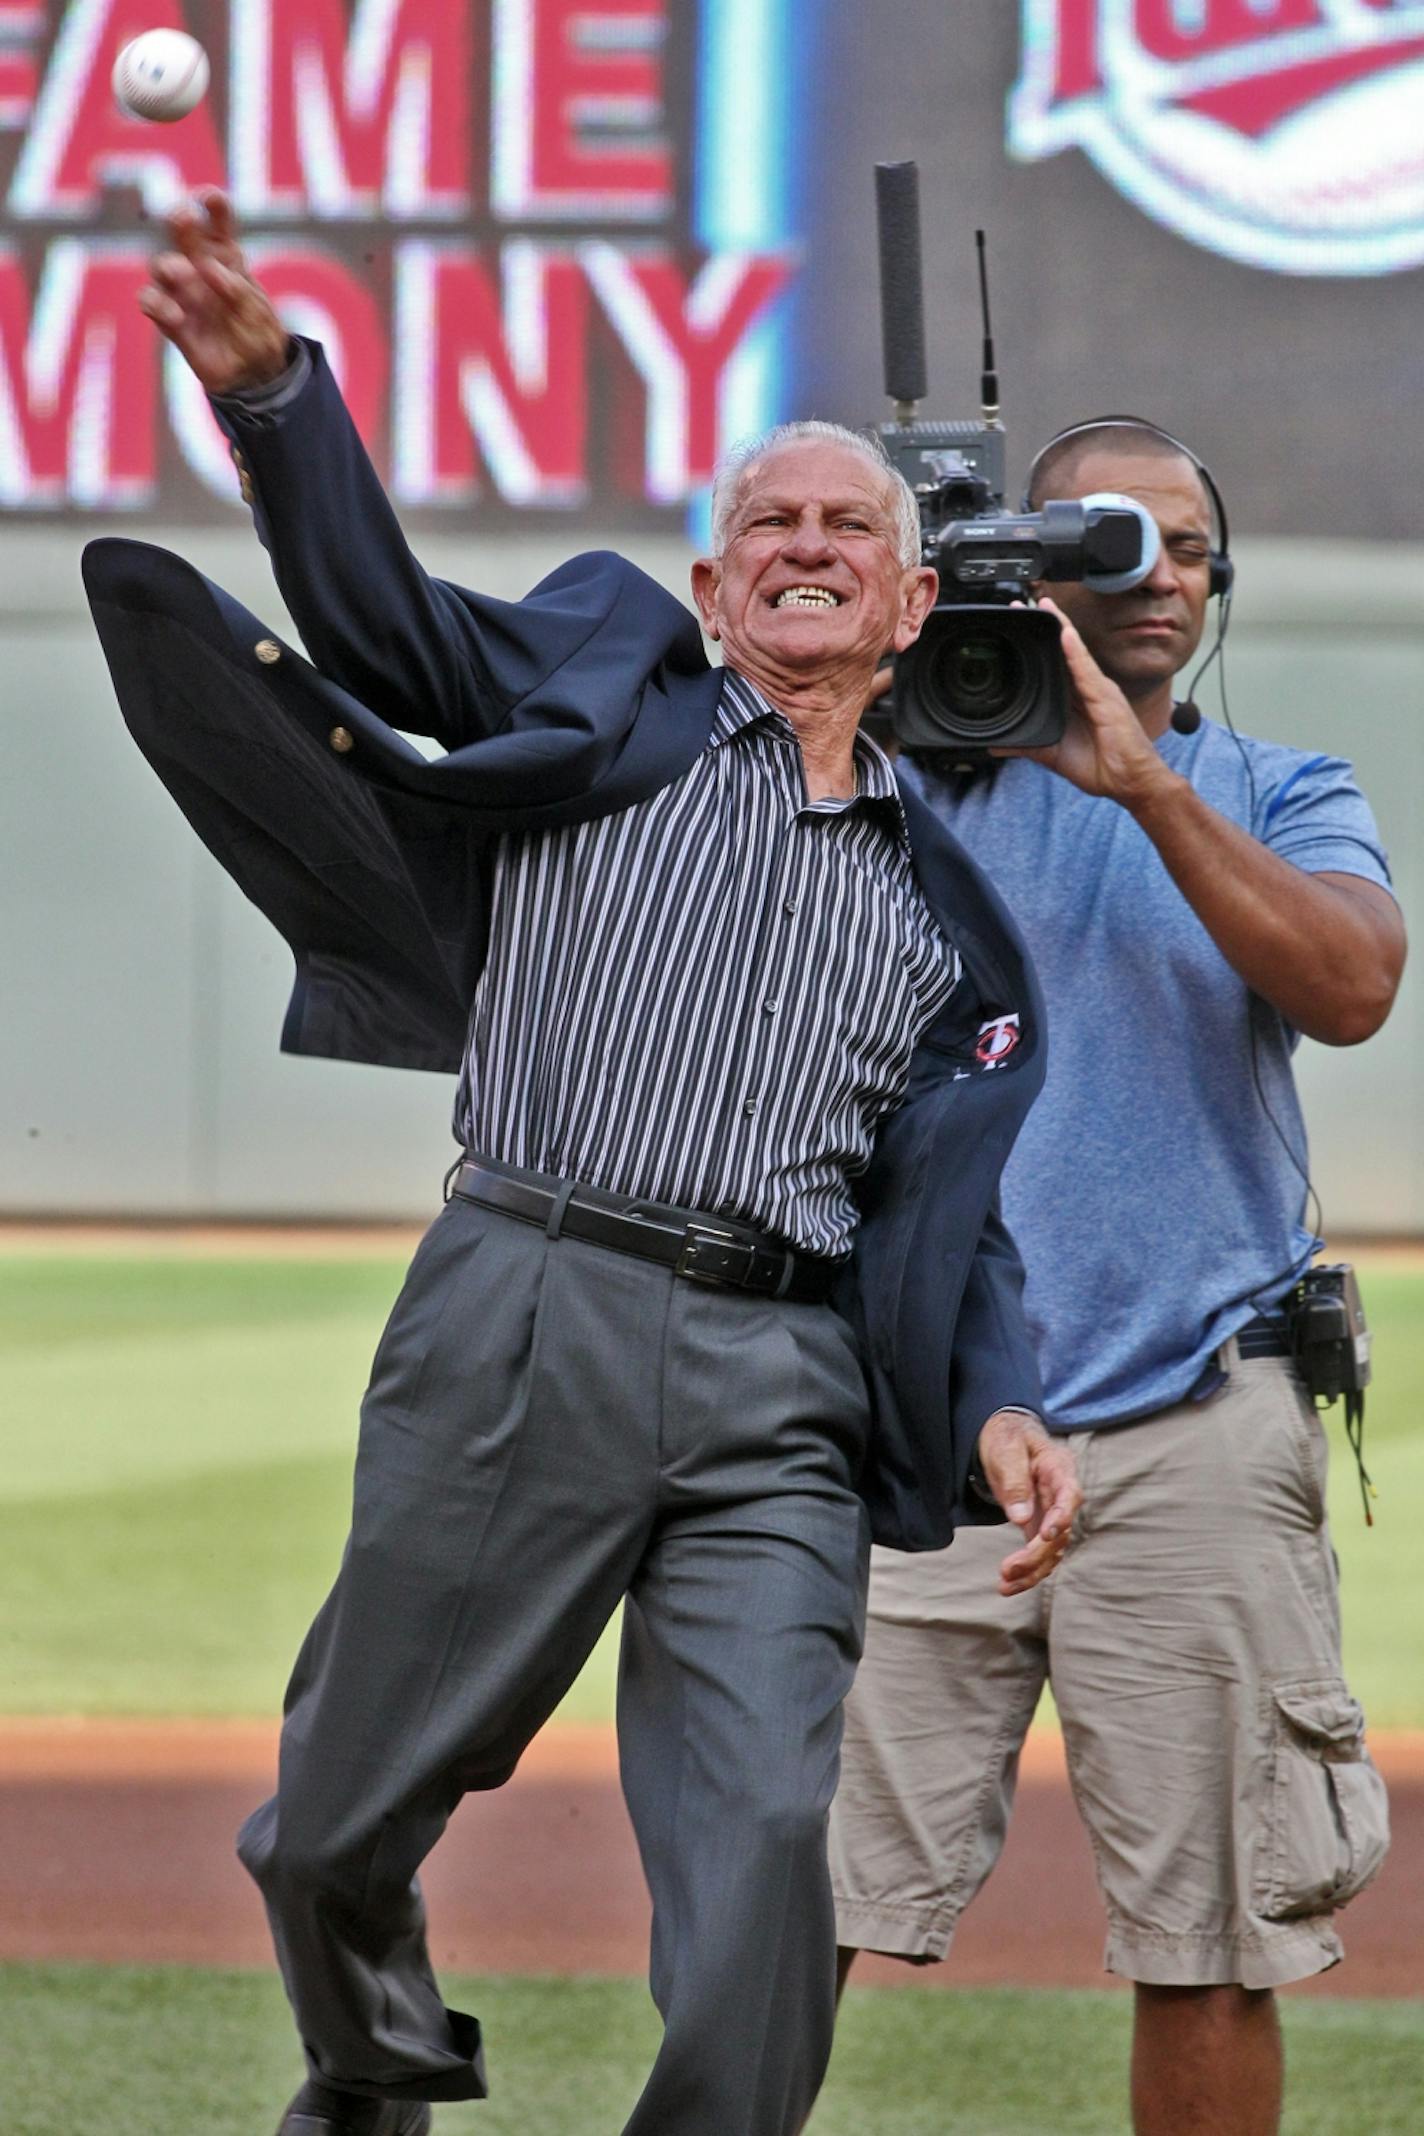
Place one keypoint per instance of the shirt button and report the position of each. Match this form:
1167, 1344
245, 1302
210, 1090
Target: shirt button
771, 1007
789, 908
750, 1107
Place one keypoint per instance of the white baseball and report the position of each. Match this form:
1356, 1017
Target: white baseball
161, 75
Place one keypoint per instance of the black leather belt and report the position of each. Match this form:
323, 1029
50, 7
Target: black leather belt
1263, 1338
703, 1249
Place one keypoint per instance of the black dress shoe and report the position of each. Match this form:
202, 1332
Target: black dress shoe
321, 2110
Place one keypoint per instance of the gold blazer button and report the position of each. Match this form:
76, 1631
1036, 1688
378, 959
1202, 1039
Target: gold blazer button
342, 740
268, 651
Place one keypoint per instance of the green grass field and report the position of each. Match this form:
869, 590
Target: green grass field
172, 2053
178, 1446
178, 1471
172, 1505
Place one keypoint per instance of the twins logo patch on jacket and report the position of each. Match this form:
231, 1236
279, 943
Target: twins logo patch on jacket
1285, 133
997, 1040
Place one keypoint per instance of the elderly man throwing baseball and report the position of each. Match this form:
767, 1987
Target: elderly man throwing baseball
720, 1287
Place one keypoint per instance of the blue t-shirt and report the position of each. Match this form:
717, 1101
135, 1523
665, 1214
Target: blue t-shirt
1155, 1206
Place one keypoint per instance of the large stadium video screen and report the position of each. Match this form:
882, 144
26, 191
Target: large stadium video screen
1208, 212
562, 251
509, 223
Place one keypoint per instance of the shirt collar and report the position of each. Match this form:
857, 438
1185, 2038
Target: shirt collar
742, 706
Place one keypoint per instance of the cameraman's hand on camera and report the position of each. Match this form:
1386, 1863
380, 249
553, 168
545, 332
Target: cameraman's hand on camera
202, 297
1104, 750
1033, 1478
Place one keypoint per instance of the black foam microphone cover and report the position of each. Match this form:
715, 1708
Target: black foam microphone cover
902, 304
1186, 718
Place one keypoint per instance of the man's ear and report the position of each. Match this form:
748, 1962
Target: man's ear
706, 578
921, 587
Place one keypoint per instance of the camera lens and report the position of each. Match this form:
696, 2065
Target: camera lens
978, 680
981, 676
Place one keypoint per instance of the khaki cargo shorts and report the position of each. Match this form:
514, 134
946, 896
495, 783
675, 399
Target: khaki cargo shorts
1192, 1639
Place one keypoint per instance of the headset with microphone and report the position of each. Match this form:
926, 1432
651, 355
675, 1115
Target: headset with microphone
1221, 570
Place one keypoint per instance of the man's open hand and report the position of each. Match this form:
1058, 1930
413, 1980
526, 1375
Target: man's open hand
1104, 750
1033, 1478
202, 297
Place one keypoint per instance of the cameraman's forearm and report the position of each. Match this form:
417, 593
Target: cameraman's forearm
1326, 956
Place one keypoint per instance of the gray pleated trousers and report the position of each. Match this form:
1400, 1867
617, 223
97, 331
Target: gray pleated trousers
549, 1427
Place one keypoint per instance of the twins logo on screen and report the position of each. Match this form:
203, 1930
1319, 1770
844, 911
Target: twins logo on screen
1285, 133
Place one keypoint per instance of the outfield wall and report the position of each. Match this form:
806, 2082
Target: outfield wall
139, 1071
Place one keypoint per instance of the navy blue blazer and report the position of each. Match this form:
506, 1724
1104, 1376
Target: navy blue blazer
374, 863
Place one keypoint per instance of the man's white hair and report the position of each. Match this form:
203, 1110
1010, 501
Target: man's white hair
732, 467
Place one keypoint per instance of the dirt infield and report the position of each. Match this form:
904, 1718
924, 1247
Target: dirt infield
116, 1844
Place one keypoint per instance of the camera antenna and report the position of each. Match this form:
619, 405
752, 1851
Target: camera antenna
989, 376
902, 303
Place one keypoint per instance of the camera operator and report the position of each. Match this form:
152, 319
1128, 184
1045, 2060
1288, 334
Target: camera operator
1193, 902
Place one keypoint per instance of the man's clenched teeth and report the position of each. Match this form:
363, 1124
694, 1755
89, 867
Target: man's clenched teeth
807, 597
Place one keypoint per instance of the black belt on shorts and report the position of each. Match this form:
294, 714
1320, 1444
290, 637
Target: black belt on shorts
702, 1249
1263, 1338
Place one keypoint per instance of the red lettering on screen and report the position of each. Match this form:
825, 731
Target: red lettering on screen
18, 83
1253, 106
580, 117
79, 141
1217, 25
338, 116
471, 361
681, 333
500, 366
20, 27
78, 365
1077, 52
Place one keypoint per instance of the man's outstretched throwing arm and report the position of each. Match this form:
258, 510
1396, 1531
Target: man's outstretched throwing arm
370, 616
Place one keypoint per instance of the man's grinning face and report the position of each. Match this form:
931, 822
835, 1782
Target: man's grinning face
810, 578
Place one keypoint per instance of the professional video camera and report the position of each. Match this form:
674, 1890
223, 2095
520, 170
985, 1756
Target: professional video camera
983, 673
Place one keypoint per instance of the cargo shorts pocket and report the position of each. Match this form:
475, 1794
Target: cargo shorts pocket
1326, 1828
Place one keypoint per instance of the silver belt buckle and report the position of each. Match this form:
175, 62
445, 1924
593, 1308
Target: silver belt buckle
712, 1256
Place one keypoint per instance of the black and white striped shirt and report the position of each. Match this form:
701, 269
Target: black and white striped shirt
711, 997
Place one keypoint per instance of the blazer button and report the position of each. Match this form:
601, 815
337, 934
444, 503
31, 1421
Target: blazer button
237, 459
247, 490
342, 740
268, 651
